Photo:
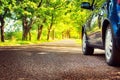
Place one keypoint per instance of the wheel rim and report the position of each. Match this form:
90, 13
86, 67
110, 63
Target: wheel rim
108, 45
84, 43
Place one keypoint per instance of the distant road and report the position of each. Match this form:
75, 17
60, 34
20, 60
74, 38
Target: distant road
61, 60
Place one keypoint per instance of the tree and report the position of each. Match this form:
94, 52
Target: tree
40, 18
5, 11
40, 28
55, 10
25, 10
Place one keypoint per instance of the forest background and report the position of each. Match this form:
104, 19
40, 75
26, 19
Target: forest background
37, 21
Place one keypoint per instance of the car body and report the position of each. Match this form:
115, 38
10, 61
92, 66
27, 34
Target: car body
102, 30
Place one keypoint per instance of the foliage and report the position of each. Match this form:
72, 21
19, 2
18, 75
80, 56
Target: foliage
53, 19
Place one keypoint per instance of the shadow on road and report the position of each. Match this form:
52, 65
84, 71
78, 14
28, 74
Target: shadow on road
53, 63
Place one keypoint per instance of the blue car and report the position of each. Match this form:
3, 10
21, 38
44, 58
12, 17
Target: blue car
102, 29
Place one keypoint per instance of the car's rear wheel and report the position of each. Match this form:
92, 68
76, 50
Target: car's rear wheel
108, 45
110, 50
87, 50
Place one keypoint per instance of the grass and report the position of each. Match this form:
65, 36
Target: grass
79, 41
20, 42
33, 42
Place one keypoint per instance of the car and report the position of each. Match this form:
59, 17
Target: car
102, 29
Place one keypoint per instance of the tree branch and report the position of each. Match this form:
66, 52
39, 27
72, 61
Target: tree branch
6, 10
40, 3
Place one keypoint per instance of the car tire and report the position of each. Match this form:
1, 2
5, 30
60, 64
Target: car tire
86, 49
111, 53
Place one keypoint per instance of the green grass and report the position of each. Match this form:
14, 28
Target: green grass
33, 42
19, 43
79, 41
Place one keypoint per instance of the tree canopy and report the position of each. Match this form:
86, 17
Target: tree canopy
42, 19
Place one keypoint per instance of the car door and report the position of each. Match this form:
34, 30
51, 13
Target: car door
94, 30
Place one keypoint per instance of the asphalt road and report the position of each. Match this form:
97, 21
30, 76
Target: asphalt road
61, 60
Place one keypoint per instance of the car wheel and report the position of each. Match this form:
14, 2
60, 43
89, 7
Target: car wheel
108, 45
87, 50
110, 50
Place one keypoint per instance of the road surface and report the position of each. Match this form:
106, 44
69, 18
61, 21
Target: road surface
62, 60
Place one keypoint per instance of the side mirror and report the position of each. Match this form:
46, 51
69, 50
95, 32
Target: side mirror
86, 5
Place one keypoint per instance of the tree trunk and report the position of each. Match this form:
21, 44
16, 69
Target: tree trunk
48, 35
24, 37
2, 29
26, 28
2, 16
49, 29
62, 35
30, 35
69, 34
2, 34
53, 34
40, 28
